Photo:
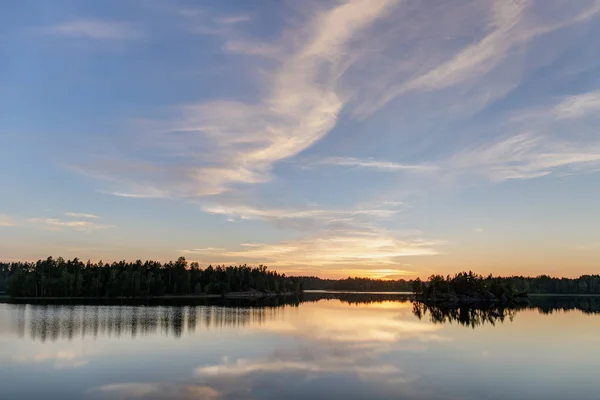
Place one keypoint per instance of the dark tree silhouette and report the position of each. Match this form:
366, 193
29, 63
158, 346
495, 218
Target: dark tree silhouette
74, 278
543, 284
467, 287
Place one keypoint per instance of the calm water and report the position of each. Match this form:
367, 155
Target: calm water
350, 348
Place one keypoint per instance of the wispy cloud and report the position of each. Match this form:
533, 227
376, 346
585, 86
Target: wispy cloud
579, 106
198, 20
327, 249
81, 215
64, 359
97, 29
339, 365
477, 58
58, 224
349, 60
143, 193
215, 146
299, 105
362, 218
245, 47
373, 164
248, 212
130, 389
234, 19
524, 156
510, 25
6, 220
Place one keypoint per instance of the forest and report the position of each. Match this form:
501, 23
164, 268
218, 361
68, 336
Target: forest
543, 284
356, 284
74, 278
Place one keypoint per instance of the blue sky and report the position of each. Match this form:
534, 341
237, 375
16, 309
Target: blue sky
369, 137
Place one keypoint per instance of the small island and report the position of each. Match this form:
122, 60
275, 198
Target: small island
467, 288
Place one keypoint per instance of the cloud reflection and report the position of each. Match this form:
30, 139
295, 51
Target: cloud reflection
347, 348
60, 359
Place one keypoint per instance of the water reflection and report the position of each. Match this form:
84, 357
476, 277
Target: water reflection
53, 322
551, 304
492, 315
465, 316
349, 346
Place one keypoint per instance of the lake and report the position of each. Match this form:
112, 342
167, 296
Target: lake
325, 346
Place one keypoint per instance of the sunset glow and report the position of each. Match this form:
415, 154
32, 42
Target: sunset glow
379, 138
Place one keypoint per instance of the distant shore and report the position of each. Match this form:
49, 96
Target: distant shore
233, 295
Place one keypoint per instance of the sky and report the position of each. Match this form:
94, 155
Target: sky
379, 138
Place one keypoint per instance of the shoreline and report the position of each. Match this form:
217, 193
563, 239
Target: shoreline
232, 295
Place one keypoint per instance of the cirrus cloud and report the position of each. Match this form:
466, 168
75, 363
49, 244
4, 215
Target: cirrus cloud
84, 225
96, 29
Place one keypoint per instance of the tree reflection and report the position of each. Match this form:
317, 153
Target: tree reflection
52, 322
465, 316
552, 304
356, 298
66, 321
492, 315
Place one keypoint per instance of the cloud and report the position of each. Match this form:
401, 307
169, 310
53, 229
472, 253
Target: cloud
309, 213
62, 359
475, 59
146, 193
6, 220
228, 142
511, 23
58, 224
234, 19
326, 249
245, 367
579, 106
96, 29
330, 341
109, 171
129, 390
334, 339
373, 164
245, 47
524, 156
82, 215
350, 56
346, 239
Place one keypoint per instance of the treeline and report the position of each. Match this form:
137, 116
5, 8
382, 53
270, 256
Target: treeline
543, 284
74, 278
585, 284
356, 284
